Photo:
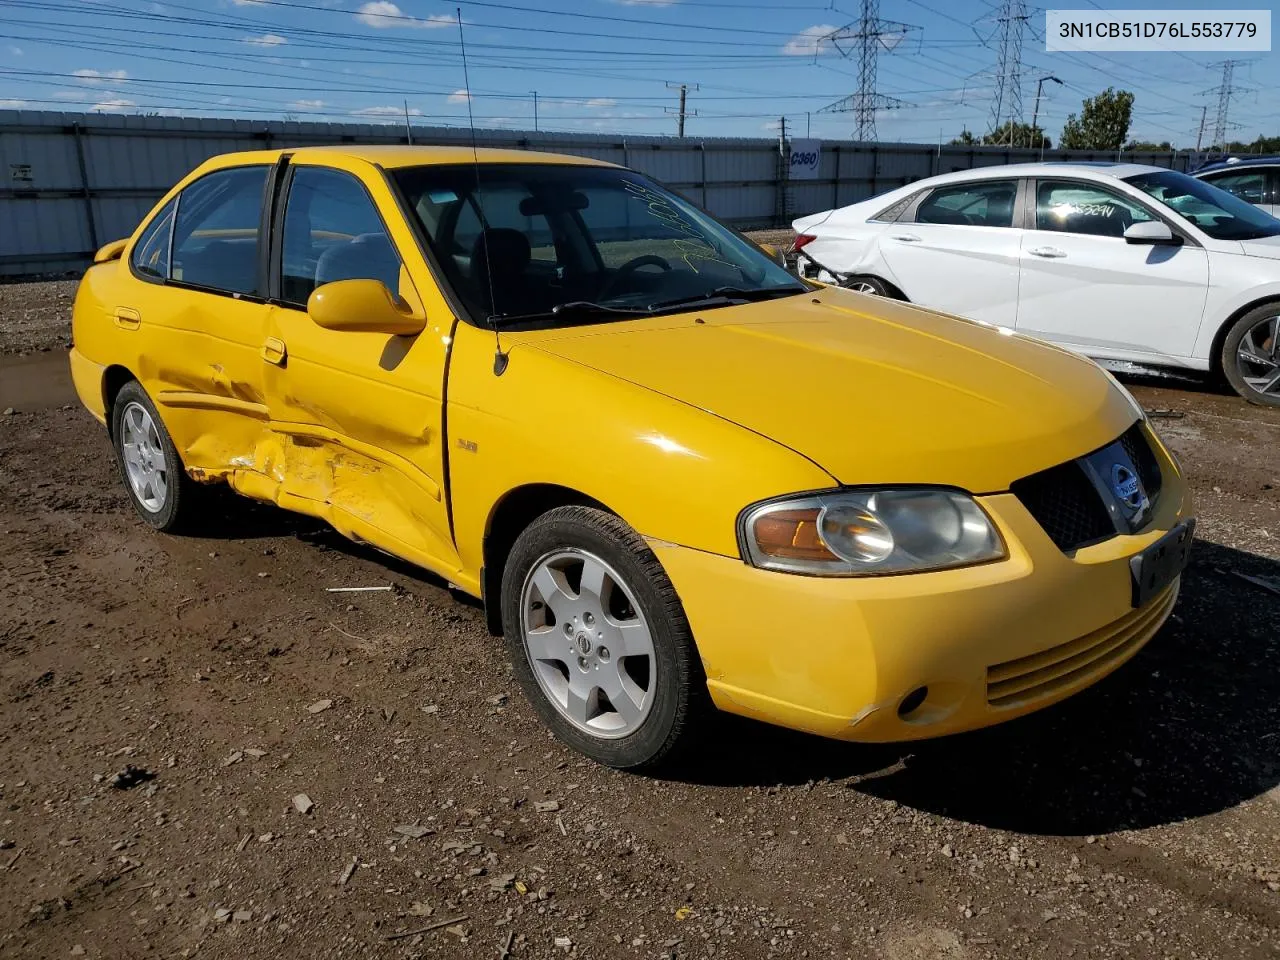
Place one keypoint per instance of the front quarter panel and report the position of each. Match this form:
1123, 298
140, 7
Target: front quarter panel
673, 472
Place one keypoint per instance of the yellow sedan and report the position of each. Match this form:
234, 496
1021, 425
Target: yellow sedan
677, 476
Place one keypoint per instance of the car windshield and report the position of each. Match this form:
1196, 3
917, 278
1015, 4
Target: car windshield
561, 243
1221, 215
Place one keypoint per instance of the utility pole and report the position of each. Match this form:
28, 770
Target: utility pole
1011, 20
408, 130
1224, 91
869, 35
682, 111
535, 110
1204, 112
782, 192
1035, 113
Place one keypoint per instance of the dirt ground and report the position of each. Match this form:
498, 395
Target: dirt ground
216, 676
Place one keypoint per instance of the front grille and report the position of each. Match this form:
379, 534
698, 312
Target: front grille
1052, 671
1138, 448
1066, 505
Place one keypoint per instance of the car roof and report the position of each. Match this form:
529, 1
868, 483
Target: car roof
1091, 169
1233, 162
392, 157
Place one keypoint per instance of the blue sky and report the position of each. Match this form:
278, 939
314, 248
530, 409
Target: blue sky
597, 65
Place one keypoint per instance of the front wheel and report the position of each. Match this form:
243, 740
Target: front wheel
598, 639
1251, 355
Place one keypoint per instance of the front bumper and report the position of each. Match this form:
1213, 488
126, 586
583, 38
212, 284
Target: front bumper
837, 657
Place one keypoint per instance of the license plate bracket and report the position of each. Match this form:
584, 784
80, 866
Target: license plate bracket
1157, 566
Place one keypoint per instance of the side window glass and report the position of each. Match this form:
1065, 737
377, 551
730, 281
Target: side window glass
151, 254
332, 231
1066, 207
1249, 187
216, 233
893, 212
988, 204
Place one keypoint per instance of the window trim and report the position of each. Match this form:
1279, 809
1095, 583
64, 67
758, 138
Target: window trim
1033, 200
157, 213
276, 266
177, 201
910, 214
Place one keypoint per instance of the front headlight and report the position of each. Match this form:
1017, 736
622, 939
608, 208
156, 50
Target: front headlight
864, 532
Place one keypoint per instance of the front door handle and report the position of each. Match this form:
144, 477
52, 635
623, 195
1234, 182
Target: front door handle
1049, 253
273, 351
905, 237
128, 318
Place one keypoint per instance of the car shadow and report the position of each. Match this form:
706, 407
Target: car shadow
1189, 727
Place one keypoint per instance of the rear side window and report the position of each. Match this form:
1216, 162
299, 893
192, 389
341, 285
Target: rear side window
1251, 186
332, 231
893, 212
1066, 207
217, 231
985, 204
151, 253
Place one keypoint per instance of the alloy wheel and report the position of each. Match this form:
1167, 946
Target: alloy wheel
589, 646
143, 455
1258, 356
863, 286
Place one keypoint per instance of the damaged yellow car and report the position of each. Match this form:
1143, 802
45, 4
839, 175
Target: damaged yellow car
677, 476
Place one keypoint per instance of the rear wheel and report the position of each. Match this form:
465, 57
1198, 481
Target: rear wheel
153, 474
598, 639
871, 285
1251, 355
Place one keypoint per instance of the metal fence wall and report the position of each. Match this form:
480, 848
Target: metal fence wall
74, 181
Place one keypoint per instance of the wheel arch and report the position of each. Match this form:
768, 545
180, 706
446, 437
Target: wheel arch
1220, 337
518, 508
113, 378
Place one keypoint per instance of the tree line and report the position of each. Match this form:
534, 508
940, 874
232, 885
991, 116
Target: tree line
1102, 124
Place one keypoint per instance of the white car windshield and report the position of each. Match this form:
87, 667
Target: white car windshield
1221, 215
561, 243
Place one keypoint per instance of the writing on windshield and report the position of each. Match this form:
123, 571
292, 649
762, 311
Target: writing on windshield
696, 247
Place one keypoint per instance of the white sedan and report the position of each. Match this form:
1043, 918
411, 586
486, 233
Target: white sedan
1120, 262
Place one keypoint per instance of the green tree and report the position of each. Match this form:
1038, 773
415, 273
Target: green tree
1103, 122
1024, 135
1147, 146
1261, 145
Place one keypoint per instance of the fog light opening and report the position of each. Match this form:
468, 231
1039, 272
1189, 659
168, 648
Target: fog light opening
912, 702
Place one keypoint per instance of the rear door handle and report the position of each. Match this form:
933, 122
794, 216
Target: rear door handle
1049, 253
905, 237
273, 351
128, 318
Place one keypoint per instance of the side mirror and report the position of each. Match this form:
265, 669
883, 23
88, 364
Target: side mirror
362, 306
110, 251
1154, 232
774, 254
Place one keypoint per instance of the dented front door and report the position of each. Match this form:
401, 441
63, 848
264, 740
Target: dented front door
357, 418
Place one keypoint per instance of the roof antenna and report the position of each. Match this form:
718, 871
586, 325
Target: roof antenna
499, 358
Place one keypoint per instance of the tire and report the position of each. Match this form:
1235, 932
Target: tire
1255, 335
657, 696
153, 475
873, 286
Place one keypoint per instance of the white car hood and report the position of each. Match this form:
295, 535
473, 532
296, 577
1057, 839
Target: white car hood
1268, 247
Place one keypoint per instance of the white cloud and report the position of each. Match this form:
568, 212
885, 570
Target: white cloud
16, 51
810, 41
306, 105
266, 40
382, 14
385, 112
602, 102
98, 76
459, 96
114, 105
247, 3
12, 104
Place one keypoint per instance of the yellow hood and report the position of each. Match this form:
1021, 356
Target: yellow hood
871, 390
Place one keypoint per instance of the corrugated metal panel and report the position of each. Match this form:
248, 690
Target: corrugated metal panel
130, 161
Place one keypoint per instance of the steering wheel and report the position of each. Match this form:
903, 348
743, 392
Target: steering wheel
630, 267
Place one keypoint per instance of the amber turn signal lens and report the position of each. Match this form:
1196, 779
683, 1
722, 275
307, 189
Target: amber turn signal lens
791, 535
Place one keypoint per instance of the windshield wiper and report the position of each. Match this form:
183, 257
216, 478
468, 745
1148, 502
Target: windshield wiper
727, 296
571, 310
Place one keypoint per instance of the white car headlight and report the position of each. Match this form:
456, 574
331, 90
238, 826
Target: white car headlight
865, 532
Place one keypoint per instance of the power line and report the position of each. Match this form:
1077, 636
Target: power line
1011, 22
